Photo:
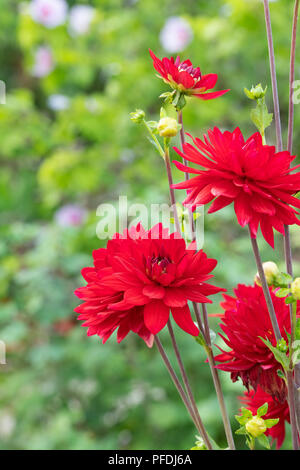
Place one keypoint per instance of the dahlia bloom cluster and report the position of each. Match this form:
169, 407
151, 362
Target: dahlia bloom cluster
144, 276
253, 176
139, 279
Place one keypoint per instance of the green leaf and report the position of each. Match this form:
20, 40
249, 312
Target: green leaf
264, 441
282, 292
271, 422
200, 339
242, 431
281, 357
260, 116
262, 410
280, 374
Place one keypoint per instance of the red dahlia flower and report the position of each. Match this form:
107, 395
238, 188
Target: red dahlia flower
246, 319
138, 279
182, 76
253, 176
253, 400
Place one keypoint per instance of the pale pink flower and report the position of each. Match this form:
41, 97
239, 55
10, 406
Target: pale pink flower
44, 63
176, 34
70, 215
80, 19
50, 13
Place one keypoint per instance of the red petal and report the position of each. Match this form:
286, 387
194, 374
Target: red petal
182, 317
154, 291
156, 315
210, 96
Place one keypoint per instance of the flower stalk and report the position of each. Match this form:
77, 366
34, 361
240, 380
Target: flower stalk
198, 424
205, 329
214, 373
294, 400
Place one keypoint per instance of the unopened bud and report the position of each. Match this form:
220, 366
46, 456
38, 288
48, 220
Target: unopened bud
271, 271
256, 426
257, 92
282, 345
167, 127
295, 288
137, 116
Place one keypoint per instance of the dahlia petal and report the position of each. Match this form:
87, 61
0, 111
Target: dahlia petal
207, 81
224, 188
219, 203
154, 291
267, 231
175, 297
135, 296
156, 316
185, 79
262, 205
242, 210
182, 317
210, 96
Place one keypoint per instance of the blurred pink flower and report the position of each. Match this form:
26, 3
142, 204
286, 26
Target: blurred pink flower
176, 34
80, 19
70, 215
44, 63
50, 13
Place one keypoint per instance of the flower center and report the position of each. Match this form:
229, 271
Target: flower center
157, 265
195, 73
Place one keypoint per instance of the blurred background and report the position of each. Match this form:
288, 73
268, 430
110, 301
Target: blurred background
74, 70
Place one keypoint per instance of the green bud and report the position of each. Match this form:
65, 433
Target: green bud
257, 92
256, 426
295, 288
137, 116
282, 345
271, 271
168, 127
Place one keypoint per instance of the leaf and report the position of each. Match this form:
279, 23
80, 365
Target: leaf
264, 441
280, 374
271, 422
282, 292
260, 116
286, 277
200, 339
262, 410
241, 431
281, 357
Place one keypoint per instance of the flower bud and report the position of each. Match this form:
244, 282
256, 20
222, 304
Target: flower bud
257, 92
271, 271
167, 127
256, 426
282, 345
295, 288
137, 116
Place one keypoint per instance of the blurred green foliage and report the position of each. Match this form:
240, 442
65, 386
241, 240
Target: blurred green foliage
60, 389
